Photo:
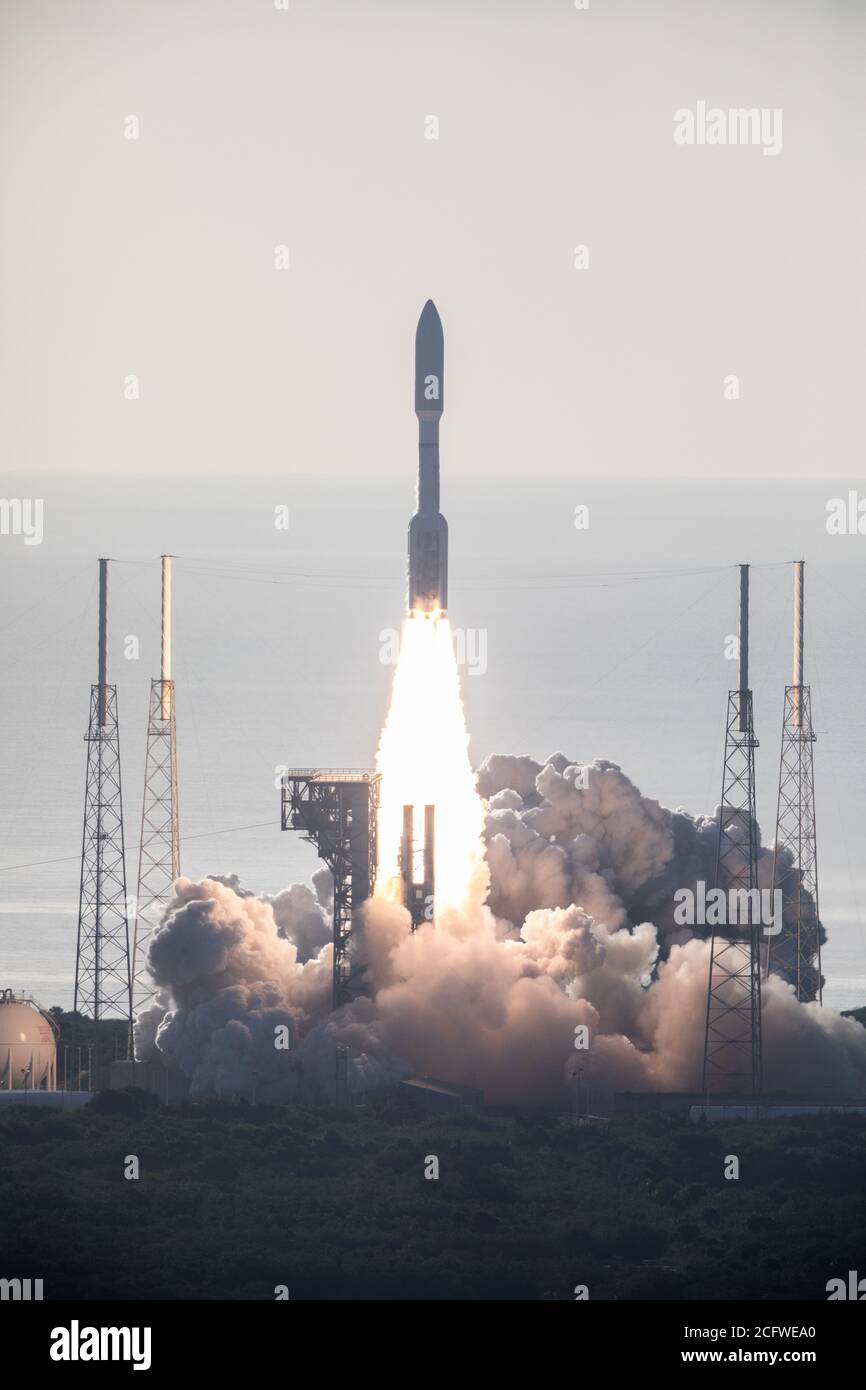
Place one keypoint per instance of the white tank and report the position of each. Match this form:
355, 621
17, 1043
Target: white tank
28, 1047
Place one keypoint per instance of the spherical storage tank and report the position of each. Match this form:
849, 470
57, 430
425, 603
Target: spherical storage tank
28, 1048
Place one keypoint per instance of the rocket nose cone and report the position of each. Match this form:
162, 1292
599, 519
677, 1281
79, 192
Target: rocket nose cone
430, 316
429, 363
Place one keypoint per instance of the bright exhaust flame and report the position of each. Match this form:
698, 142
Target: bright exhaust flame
424, 761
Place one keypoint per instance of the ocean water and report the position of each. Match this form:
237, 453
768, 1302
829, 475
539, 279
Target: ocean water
600, 642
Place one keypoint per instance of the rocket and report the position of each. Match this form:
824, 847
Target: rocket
428, 529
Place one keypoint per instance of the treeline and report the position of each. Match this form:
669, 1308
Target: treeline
126, 1199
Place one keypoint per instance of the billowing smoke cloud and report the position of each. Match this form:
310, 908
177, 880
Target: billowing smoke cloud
234, 996
578, 932
303, 916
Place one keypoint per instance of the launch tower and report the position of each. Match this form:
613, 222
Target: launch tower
337, 811
103, 984
159, 847
732, 1038
795, 953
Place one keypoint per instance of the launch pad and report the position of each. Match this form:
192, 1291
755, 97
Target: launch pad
336, 810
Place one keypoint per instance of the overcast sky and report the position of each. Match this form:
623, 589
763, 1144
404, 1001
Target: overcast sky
154, 257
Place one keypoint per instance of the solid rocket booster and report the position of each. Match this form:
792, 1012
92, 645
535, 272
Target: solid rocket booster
428, 529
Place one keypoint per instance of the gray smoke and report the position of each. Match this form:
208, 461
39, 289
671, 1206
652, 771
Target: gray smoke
230, 988
578, 931
304, 916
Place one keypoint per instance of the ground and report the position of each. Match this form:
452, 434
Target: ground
232, 1202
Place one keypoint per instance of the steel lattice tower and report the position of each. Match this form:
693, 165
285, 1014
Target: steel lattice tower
159, 847
337, 810
795, 953
102, 966
732, 1039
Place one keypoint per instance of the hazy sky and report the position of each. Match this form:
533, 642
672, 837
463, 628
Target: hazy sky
306, 128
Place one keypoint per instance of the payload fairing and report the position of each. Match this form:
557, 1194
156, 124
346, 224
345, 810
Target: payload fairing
428, 529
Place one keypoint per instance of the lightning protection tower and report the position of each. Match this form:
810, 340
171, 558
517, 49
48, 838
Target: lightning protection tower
732, 1039
795, 953
159, 848
102, 966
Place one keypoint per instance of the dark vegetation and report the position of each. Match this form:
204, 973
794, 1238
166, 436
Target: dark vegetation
81, 1042
232, 1201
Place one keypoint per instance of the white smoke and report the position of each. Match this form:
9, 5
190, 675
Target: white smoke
578, 931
